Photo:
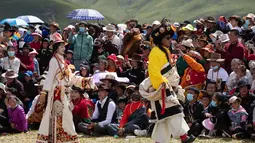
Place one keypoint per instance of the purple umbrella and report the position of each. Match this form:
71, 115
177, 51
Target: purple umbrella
85, 14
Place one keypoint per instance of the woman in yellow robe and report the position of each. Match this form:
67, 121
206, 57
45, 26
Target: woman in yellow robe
162, 89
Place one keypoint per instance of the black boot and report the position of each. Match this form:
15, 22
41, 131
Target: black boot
190, 139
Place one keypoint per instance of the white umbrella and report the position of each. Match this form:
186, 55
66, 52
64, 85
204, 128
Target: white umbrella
30, 19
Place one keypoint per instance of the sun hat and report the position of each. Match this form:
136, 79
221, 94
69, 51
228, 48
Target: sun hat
187, 43
2, 86
110, 78
55, 24
224, 38
215, 57
195, 54
159, 33
208, 48
10, 74
217, 33
112, 57
120, 57
249, 15
33, 52
37, 33
109, 28
156, 22
176, 24
208, 124
210, 19
103, 86
188, 27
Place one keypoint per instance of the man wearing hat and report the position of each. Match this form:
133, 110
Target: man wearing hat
248, 100
82, 44
26, 63
103, 115
110, 82
233, 49
212, 25
28, 37
13, 82
110, 35
158, 88
136, 74
217, 73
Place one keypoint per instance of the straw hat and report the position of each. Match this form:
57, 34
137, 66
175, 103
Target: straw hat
215, 57
110, 78
187, 43
250, 15
110, 28
55, 24
10, 74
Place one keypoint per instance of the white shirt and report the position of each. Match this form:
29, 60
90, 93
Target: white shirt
110, 112
221, 74
232, 81
11, 64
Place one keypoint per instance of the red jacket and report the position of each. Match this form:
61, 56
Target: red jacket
129, 110
35, 45
83, 108
27, 61
232, 51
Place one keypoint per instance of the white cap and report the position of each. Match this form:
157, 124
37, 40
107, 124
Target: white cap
156, 22
176, 25
224, 38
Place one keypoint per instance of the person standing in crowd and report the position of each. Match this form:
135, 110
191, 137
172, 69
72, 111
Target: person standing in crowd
11, 61
163, 77
44, 55
211, 88
54, 27
28, 37
233, 49
249, 21
111, 36
17, 117
57, 120
103, 115
13, 82
36, 43
26, 63
33, 55
217, 73
82, 44
236, 22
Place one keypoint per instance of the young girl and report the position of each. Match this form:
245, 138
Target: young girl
238, 117
103, 64
17, 117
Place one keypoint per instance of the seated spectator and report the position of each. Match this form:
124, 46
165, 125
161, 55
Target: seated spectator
35, 113
238, 117
112, 59
103, 64
135, 118
217, 73
206, 100
83, 107
110, 82
69, 56
30, 89
194, 75
11, 61
120, 90
194, 112
13, 82
103, 115
122, 101
3, 108
136, 73
17, 117
84, 70
211, 88
237, 67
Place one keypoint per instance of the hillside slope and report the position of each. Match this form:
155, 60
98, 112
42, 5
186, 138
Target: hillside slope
120, 10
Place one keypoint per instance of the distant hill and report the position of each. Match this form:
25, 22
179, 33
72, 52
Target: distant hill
120, 10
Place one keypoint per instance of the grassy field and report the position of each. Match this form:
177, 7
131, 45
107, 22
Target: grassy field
30, 137
120, 10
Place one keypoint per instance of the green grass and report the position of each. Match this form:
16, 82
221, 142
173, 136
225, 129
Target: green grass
30, 137
120, 10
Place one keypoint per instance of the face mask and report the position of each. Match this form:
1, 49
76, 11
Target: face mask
215, 67
247, 22
82, 29
213, 103
11, 53
28, 32
190, 97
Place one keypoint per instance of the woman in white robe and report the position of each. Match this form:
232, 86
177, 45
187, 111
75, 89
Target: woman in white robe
57, 122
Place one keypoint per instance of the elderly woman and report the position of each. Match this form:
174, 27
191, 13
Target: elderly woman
57, 122
160, 89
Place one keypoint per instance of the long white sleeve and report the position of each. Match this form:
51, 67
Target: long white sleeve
53, 66
110, 112
95, 113
32, 109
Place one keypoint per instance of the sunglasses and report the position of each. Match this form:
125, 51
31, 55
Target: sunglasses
168, 37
